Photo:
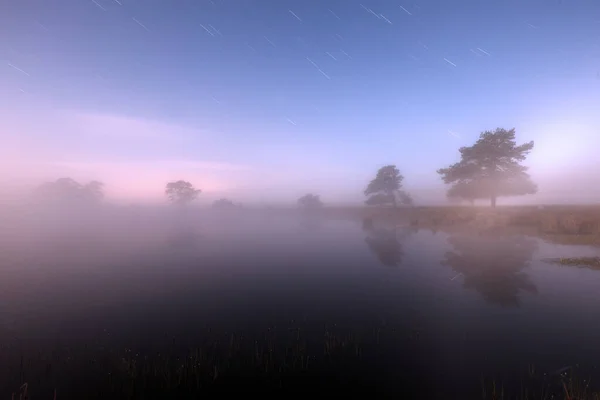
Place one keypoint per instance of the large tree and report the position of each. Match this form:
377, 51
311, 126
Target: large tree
310, 201
491, 168
181, 192
463, 191
386, 188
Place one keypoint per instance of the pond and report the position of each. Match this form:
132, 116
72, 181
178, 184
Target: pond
425, 312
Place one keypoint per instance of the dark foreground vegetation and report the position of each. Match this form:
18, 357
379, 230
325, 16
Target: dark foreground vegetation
279, 361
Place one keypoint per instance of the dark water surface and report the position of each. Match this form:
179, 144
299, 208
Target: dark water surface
462, 308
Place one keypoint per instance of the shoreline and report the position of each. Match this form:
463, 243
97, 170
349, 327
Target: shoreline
568, 225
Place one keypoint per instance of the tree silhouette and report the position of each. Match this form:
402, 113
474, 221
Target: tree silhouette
310, 201
491, 168
181, 192
69, 190
493, 266
386, 188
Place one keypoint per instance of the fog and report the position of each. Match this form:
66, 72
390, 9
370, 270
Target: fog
177, 176
105, 234
136, 157
93, 226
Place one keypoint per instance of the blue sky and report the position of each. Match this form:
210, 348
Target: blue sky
266, 100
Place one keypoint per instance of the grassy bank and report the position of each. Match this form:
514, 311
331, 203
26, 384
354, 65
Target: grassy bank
580, 262
559, 224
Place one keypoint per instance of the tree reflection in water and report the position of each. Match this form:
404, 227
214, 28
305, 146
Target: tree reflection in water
311, 222
184, 238
493, 266
386, 243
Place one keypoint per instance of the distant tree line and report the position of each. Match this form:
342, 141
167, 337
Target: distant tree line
488, 169
68, 190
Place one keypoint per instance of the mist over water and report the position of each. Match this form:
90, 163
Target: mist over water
165, 280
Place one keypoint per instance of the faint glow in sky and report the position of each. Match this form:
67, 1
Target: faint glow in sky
265, 102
